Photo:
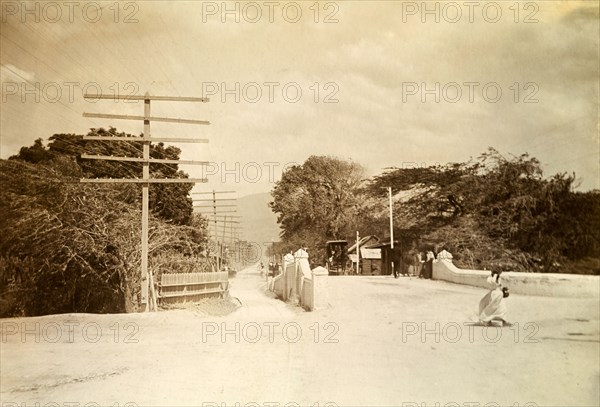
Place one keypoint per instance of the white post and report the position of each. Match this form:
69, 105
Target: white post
320, 297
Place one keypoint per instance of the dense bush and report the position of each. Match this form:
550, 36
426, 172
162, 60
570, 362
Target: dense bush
72, 247
501, 212
64, 245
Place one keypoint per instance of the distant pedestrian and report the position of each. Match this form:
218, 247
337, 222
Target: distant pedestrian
287, 259
420, 262
427, 271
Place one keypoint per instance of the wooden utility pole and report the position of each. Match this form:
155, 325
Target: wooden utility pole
391, 227
216, 215
147, 282
357, 253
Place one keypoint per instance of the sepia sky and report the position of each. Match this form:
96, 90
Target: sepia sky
369, 79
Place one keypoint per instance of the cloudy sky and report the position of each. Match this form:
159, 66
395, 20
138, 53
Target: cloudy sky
384, 83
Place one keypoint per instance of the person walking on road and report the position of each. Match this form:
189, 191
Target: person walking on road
492, 308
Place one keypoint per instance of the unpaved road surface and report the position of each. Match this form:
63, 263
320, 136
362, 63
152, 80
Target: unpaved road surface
381, 342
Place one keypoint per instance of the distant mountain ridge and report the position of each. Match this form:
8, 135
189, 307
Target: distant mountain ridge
259, 223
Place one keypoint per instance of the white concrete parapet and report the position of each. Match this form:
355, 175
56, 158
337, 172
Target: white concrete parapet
283, 283
314, 294
307, 294
299, 284
320, 282
544, 284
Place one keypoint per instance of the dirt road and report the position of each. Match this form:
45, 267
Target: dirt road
382, 342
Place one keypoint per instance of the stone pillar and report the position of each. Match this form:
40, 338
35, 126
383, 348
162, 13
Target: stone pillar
302, 270
320, 277
444, 259
290, 276
287, 260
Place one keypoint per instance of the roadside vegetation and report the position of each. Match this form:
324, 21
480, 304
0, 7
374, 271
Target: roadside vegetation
68, 246
494, 211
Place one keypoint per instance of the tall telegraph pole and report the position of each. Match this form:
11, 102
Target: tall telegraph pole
146, 278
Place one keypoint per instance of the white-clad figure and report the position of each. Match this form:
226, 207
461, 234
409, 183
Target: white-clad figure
288, 259
492, 308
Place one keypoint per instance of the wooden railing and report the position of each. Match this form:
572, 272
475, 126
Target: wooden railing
189, 286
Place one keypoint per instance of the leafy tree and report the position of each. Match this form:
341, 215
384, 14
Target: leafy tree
170, 202
530, 222
34, 154
317, 201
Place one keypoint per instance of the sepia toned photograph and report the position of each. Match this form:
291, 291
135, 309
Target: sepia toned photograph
233, 203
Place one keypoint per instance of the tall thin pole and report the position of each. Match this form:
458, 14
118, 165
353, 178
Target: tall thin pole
218, 248
357, 252
145, 205
224, 229
391, 227
148, 297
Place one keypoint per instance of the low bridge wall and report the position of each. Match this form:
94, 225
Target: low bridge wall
298, 283
544, 284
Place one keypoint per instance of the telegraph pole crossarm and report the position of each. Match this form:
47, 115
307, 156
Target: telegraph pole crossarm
146, 97
142, 160
229, 216
147, 302
218, 199
142, 139
150, 118
144, 180
213, 192
216, 211
221, 206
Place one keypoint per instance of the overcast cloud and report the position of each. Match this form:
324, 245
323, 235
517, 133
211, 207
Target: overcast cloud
369, 62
